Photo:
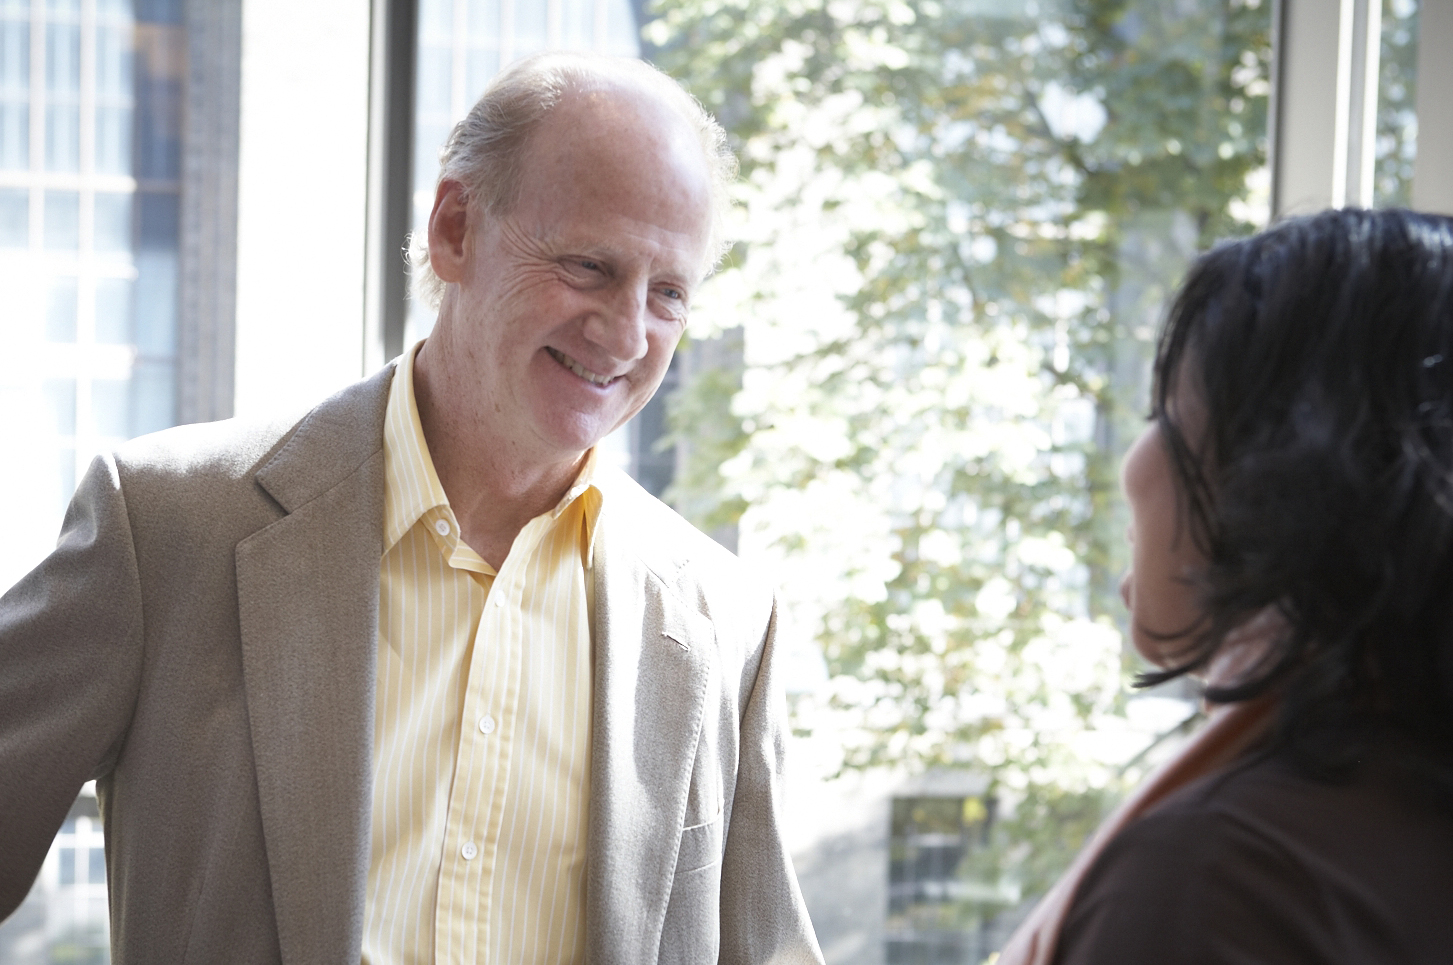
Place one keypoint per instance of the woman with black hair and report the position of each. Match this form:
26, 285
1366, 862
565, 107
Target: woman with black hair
1292, 505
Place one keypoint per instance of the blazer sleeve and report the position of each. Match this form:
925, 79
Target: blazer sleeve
70, 667
763, 916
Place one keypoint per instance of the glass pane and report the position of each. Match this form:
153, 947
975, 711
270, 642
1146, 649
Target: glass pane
14, 91
110, 404
14, 135
60, 403
62, 137
98, 866
156, 303
68, 866
577, 22
115, 80
154, 11
113, 222
113, 311
159, 212
153, 397
113, 58
436, 20
113, 140
531, 26
65, 479
63, 88
62, 220
63, 59
160, 71
484, 23
60, 310
156, 282
1397, 115
483, 64
14, 218
432, 94
622, 37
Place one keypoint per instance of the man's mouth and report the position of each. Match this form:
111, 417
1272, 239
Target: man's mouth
579, 369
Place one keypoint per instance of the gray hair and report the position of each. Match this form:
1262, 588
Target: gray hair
486, 150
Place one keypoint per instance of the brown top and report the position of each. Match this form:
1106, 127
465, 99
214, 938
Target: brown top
1224, 740
1262, 864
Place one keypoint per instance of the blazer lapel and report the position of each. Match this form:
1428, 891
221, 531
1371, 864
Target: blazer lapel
653, 660
307, 589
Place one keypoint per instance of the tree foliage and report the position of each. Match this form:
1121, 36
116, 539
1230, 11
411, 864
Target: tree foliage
959, 221
1397, 107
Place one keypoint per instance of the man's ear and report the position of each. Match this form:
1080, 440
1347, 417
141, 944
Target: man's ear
449, 225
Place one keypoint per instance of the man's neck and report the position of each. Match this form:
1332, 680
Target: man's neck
494, 485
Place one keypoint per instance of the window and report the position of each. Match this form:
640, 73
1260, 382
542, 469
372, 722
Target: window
65, 917
90, 120
938, 914
1054, 182
1397, 111
90, 184
960, 224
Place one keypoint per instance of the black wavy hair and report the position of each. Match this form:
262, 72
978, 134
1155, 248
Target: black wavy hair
1320, 354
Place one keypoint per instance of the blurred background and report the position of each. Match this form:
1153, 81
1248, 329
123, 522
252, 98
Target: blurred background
904, 396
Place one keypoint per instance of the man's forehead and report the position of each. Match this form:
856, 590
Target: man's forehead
614, 168
614, 118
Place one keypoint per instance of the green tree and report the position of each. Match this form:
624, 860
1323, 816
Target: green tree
1397, 104
959, 221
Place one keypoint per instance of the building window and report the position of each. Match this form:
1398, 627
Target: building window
938, 914
90, 122
64, 919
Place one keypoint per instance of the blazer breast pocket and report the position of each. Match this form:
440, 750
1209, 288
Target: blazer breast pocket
701, 846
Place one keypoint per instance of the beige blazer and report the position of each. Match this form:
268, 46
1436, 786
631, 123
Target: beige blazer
202, 643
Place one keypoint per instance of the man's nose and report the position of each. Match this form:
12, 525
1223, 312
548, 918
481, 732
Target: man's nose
619, 326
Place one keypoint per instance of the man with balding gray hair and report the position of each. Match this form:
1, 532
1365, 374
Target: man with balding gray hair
417, 677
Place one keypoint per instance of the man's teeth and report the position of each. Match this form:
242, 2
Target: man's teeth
581, 370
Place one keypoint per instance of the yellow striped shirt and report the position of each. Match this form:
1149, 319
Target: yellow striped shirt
482, 727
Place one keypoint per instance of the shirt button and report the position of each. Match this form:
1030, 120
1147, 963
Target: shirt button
441, 526
469, 851
486, 724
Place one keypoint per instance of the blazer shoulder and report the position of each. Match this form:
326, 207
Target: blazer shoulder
703, 573
223, 480
347, 426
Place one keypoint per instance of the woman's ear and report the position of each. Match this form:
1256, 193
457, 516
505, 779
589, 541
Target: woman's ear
449, 226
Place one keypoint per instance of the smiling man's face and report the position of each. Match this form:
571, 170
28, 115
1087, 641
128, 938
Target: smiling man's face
572, 301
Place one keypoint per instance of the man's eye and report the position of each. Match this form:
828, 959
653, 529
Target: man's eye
674, 293
589, 265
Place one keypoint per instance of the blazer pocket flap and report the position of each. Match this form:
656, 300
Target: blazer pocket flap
701, 847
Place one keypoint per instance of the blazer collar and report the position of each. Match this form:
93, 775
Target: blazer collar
307, 589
